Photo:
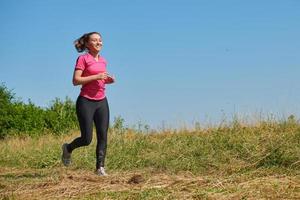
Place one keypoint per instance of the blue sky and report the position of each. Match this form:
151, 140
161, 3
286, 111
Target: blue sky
176, 62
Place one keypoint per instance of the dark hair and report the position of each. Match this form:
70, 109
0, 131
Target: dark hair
80, 43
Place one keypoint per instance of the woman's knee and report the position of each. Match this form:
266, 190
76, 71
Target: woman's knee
102, 134
86, 141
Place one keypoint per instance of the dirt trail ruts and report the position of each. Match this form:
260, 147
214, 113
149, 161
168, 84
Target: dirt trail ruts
66, 183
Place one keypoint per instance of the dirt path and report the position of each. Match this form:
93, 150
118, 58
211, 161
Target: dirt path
62, 183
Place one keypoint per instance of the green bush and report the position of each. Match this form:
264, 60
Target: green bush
61, 116
18, 118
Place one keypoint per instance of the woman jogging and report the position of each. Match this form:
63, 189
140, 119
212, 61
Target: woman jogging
91, 105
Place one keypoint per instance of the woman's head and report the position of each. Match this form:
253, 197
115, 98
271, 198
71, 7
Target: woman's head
89, 41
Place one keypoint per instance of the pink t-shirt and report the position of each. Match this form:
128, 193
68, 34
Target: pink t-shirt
87, 63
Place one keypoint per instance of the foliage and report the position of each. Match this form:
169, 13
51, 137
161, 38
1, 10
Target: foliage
18, 118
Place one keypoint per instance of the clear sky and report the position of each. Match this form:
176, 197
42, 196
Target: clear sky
176, 61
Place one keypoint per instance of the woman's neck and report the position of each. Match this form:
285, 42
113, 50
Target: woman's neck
94, 54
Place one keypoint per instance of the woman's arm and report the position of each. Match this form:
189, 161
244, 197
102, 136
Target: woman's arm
79, 80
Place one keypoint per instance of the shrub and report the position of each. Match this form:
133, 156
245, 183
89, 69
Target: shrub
18, 118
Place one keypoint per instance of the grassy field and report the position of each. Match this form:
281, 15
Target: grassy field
234, 161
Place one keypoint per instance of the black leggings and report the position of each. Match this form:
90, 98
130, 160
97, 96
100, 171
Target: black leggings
88, 111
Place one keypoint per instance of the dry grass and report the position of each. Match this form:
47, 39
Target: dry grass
240, 162
62, 183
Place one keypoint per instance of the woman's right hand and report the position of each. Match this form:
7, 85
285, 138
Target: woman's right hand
102, 76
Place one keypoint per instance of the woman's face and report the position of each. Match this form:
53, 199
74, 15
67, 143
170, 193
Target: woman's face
94, 43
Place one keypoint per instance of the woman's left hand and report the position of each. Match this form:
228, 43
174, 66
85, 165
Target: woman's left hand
110, 79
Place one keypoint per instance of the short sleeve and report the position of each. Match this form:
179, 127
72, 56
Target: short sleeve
80, 63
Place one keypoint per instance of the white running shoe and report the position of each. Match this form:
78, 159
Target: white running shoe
101, 172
